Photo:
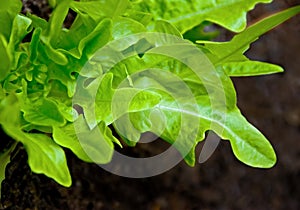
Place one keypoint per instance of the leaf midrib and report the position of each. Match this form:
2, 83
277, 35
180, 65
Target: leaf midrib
215, 121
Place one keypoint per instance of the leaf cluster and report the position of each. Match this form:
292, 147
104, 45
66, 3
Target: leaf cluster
41, 108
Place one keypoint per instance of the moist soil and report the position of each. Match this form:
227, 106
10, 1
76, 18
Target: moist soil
271, 103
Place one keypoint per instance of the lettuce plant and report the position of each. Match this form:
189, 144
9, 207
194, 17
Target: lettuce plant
40, 78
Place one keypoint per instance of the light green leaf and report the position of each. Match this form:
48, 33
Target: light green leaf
162, 26
20, 28
59, 93
55, 55
233, 50
99, 9
2, 93
82, 27
44, 155
248, 144
186, 15
89, 145
182, 117
125, 26
8, 11
109, 104
5, 58
34, 44
250, 68
86, 40
56, 21
37, 22
43, 112
54, 3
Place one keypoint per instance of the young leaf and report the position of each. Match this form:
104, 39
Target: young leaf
250, 68
232, 51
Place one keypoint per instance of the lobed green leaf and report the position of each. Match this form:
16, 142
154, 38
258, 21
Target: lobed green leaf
186, 15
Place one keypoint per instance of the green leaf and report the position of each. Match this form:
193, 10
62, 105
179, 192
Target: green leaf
248, 144
165, 27
2, 93
109, 104
8, 11
37, 22
112, 8
250, 68
20, 28
59, 93
44, 155
43, 112
34, 44
233, 51
186, 15
56, 22
54, 3
125, 26
89, 145
5, 58
85, 40
182, 117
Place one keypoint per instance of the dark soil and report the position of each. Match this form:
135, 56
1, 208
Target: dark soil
270, 102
